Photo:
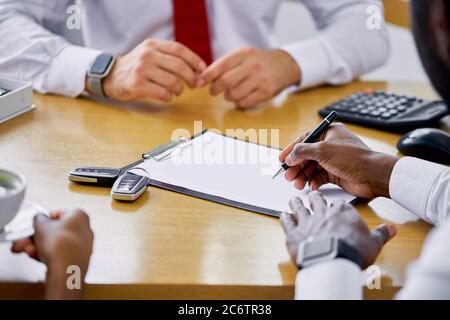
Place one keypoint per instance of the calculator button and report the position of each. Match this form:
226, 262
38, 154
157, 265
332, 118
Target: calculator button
386, 115
393, 112
382, 110
375, 113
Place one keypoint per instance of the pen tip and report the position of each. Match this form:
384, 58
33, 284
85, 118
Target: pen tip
278, 173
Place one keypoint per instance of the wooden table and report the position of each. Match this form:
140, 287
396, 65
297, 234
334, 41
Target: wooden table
398, 12
167, 245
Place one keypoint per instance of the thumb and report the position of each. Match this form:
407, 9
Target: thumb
39, 221
303, 151
384, 233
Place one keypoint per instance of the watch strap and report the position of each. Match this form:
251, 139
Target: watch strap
326, 248
348, 252
96, 86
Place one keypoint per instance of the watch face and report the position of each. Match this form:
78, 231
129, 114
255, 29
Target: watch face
318, 248
101, 64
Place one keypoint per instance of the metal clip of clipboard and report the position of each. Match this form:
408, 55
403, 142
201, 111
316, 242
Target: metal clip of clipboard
131, 185
164, 151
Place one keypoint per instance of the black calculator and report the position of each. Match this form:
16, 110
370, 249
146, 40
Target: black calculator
387, 111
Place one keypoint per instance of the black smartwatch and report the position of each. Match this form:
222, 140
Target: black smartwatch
98, 70
326, 248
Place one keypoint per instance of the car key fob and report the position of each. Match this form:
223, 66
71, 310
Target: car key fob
129, 187
102, 177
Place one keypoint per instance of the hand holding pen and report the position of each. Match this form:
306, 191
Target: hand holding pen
340, 158
313, 136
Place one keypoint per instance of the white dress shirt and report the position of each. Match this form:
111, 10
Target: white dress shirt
31, 50
423, 188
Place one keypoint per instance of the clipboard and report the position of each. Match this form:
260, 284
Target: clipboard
232, 200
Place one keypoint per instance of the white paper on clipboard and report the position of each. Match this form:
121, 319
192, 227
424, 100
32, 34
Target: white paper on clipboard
232, 169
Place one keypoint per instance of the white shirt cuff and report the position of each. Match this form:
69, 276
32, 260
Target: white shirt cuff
339, 279
68, 70
411, 182
313, 61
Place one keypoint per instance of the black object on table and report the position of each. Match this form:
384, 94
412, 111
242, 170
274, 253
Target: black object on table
387, 111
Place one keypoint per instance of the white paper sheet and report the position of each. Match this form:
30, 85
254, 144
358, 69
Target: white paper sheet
232, 169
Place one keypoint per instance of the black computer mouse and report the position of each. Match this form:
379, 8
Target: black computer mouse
428, 144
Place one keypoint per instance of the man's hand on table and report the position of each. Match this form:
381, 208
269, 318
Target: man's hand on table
340, 219
154, 69
250, 76
64, 239
340, 158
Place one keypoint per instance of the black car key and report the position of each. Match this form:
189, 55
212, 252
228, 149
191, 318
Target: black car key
102, 177
99, 176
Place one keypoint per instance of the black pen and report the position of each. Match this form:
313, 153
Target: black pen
312, 137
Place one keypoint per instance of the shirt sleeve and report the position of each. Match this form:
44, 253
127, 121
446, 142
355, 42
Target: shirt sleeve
345, 47
423, 188
29, 51
429, 277
339, 279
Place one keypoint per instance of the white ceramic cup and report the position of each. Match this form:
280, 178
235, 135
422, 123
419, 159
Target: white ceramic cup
12, 193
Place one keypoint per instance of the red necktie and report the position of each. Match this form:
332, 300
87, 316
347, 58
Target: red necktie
191, 27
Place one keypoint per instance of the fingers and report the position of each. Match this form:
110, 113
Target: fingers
177, 67
166, 80
317, 203
39, 221
19, 245
304, 151
76, 219
384, 233
287, 222
181, 51
292, 173
56, 215
298, 209
154, 90
230, 80
286, 151
242, 90
320, 178
254, 98
25, 245
304, 175
218, 68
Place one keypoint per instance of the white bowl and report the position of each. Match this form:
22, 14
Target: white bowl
11, 201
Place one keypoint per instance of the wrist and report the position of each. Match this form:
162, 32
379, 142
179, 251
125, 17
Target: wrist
326, 248
381, 173
107, 84
58, 284
98, 71
291, 71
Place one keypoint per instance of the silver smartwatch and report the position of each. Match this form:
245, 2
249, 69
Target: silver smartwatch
98, 70
326, 248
